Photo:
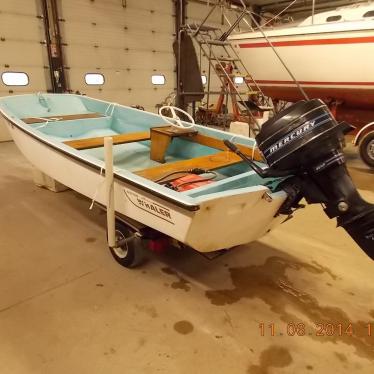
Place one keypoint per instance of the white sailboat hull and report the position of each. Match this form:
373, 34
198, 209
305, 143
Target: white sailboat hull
330, 61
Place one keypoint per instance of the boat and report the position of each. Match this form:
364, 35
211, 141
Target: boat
167, 178
62, 135
329, 55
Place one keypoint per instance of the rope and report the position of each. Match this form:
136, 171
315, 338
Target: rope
42, 100
98, 188
46, 122
253, 147
233, 137
253, 150
112, 106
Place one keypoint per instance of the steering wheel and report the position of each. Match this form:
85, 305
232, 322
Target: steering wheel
178, 122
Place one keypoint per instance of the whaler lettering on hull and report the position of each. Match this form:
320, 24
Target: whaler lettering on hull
149, 206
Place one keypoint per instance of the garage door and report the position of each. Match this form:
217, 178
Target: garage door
121, 44
22, 54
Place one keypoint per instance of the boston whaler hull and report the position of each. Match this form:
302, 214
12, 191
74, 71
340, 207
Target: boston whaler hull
206, 221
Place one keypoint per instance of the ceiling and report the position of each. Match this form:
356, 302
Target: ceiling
300, 6
303, 4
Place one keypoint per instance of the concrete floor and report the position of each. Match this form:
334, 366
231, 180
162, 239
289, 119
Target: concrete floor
67, 307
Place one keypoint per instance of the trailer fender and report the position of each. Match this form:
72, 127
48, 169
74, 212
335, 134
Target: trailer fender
366, 129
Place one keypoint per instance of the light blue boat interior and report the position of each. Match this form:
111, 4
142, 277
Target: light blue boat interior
129, 157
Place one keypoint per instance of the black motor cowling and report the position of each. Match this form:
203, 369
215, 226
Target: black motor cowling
306, 141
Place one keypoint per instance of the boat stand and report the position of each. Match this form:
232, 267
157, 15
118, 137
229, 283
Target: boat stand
45, 181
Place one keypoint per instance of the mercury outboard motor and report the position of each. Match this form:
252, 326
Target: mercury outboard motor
305, 141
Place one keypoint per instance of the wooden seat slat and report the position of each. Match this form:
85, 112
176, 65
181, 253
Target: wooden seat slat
88, 143
209, 162
57, 118
216, 143
161, 138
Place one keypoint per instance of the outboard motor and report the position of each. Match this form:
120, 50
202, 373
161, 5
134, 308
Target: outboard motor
305, 141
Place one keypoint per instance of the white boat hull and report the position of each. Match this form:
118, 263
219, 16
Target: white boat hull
328, 61
221, 222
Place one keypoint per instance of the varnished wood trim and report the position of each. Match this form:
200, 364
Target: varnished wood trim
88, 143
67, 117
216, 143
209, 162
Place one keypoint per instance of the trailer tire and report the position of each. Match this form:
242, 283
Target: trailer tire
132, 253
366, 149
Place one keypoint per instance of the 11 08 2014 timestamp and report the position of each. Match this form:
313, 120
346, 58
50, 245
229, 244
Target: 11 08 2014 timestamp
319, 329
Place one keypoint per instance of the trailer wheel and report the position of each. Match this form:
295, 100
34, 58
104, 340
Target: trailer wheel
366, 149
131, 254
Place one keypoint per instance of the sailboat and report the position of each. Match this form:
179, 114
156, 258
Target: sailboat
329, 54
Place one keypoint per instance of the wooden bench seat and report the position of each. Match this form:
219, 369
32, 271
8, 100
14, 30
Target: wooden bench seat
161, 138
216, 143
67, 117
209, 162
88, 143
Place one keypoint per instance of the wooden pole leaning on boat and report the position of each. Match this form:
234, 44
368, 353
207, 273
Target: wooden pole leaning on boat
109, 191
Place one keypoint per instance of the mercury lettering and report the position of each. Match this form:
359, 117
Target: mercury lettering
298, 132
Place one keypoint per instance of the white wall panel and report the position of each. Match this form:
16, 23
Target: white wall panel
125, 44
21, 53
36, 76
196, 12
21, 34
19, 7
111, 58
